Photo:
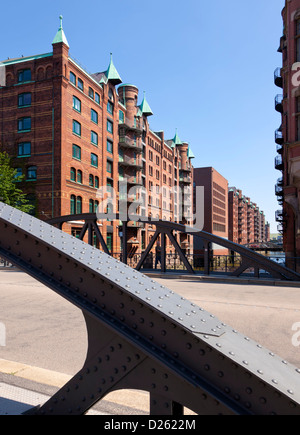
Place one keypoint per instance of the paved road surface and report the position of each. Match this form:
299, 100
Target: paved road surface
46, 331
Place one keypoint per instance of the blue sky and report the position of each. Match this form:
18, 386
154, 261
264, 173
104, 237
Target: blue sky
207, 69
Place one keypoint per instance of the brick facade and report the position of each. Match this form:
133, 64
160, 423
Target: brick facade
287, 136
70, 133
247, 224
215, 204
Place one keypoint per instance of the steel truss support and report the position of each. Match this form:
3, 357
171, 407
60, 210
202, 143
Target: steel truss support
141, 335
250, 259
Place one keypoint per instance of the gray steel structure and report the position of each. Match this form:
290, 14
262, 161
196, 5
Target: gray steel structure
250, 259
144, 336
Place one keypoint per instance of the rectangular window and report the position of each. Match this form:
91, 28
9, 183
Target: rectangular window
109, 146
110, 107
80, 84
76, 153
94, 116
109, 167
24, 100
24, 149
121, 117
94, 138
76, 104
24, 76
97, 98
298, 41
298, 49
31, 173
110, 127
72, 78
76, 127
24, 124
94, 160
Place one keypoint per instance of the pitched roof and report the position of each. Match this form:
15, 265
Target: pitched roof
60, 36
145, 108
190, 154
112, 73
176, 140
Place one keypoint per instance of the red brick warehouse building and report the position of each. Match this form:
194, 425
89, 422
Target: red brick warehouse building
70, 132
287, 136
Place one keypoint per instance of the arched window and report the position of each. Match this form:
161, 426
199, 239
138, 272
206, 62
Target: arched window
97, 182
91, 180
79, 176
78, 205
73, 174
91, 206
73, 204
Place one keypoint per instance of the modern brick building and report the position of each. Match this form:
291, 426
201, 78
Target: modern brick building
246, 223
287, 136
228, 213
215, 204
71, 132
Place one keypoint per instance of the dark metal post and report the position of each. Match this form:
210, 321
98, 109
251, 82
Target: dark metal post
125, 240
163, 252
206, 258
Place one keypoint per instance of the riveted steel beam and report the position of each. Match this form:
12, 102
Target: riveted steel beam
144, 336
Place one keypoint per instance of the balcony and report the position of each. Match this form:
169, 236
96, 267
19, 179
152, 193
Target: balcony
279, 216
133, 125
135, 180
279, 163
279, 149
131, 162
185, 179
279, 136
278, 103
277, 78
186, 169
129, 143
279, 190
135, 224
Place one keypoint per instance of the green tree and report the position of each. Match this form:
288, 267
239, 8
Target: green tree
9, 192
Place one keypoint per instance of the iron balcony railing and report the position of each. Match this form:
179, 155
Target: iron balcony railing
278, 190
278, 162
132, 179
127, 142
131, 124
279, 136
184, 178
277, 78
130, 161
279, 216
278, 103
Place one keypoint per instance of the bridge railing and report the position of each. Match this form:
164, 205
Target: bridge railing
257, 263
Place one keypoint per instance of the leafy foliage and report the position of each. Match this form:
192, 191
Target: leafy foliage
9, 191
